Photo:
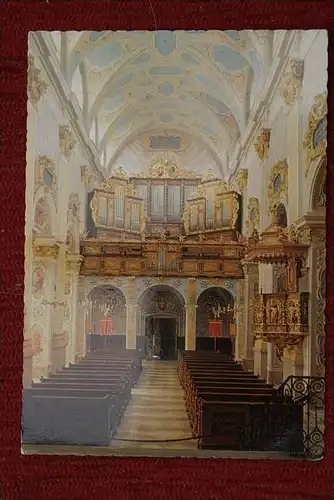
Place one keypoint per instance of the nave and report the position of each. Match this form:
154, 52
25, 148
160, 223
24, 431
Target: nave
204, 402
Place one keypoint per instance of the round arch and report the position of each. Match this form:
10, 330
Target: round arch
161, 287
208, 303
160, 320
106, 301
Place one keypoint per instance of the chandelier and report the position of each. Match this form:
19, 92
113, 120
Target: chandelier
91, 306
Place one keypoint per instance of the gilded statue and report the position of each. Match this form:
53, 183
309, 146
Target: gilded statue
273, 313
261, 143
235, 209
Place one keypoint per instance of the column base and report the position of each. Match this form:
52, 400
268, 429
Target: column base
248, 364
260, 359
275, 377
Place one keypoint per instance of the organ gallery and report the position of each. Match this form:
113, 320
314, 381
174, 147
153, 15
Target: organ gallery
176, 270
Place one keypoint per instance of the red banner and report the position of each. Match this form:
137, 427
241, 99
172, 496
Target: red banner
215, 328
105, 326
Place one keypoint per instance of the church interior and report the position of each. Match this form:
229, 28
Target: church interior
175, 242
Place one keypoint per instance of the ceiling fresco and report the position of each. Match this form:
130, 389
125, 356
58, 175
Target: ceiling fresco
132, 83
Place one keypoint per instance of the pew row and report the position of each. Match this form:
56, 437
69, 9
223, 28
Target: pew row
82, 404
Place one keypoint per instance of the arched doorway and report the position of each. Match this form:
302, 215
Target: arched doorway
106, 317
161, 321
219, 302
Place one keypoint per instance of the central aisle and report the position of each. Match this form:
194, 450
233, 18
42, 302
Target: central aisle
156, 411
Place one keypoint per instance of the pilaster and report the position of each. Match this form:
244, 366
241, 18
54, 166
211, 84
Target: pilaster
251, 272
131, 323
190, 333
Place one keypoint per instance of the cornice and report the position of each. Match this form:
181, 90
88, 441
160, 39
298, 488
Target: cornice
51, 65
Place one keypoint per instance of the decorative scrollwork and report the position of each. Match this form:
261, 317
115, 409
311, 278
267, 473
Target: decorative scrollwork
316, 117
292, 81
262, 142
278, 183
241, 179
36, 85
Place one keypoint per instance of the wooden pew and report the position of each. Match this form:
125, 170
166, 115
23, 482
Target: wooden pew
219, 394
75, 420
99, 386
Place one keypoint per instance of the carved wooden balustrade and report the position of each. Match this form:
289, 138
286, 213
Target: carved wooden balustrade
156, 257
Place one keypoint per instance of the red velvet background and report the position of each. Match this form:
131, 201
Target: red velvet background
81, 478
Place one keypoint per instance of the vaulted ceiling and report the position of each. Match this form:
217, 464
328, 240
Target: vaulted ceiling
134, 85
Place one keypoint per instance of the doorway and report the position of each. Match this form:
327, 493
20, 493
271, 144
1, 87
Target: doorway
168, 338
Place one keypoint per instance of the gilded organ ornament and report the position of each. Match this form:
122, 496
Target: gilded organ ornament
67, 141
119, 173
262, 143
292, 81
235, 209
37, 87
166, 167
315, 139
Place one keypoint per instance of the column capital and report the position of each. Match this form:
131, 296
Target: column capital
250, 268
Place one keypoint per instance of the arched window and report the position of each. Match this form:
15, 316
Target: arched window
277, 182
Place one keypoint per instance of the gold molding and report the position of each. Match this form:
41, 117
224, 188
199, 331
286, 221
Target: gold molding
292, 81
235, 209
119, 173
37, 87
86, 176
262, 143
166, 167
42, 163
275, 196
242, 178
317, 114
46, 251
67, 141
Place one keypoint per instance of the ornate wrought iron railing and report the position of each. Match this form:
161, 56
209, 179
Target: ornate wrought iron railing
310, 393
292, 422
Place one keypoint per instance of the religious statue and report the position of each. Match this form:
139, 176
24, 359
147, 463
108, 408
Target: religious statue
293, 313
273, 313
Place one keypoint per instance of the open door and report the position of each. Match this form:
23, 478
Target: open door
168, 338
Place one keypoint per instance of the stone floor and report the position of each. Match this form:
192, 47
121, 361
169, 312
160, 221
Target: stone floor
156, 412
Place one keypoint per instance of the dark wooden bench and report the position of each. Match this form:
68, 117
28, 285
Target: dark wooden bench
100, 387
71, 420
